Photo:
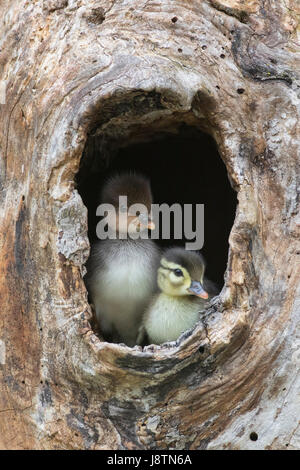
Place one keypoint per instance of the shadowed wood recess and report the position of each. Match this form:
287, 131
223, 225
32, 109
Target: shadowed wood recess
124, 71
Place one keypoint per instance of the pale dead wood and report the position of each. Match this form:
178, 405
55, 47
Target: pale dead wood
70, 68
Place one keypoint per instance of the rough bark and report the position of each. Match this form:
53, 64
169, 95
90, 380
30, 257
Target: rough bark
123, 70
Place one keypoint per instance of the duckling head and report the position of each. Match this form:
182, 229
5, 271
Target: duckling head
130, 196
181, 273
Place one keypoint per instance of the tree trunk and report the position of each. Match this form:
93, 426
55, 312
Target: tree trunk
119, 70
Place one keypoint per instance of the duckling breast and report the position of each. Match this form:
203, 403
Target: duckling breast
123, 283
168, 317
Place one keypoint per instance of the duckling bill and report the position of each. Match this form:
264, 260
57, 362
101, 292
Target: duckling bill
183, 294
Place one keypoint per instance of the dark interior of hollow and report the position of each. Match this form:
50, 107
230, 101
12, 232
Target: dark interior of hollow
183, 168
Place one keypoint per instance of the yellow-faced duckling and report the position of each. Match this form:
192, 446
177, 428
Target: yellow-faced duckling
175, 309
121, 272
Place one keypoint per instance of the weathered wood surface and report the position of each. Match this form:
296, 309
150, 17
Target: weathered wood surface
124, 69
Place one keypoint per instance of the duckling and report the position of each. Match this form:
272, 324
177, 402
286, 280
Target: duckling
175, 309
121, 272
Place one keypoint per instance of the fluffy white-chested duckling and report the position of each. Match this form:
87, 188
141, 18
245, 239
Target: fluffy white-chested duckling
175, 309
121, 272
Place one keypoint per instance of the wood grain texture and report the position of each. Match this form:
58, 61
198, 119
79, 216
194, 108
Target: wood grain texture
124, 71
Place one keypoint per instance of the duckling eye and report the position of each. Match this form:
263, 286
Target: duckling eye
178, 272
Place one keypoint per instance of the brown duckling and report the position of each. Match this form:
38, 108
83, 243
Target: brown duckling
121, 272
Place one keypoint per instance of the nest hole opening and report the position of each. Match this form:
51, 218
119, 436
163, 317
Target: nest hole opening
183, 167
